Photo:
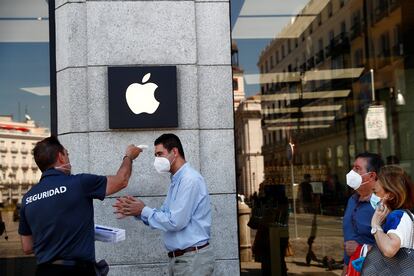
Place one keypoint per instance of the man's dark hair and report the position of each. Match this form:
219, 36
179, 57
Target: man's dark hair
374, 161
46, 151
170, 141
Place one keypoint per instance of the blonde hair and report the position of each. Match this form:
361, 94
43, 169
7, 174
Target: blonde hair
394, 180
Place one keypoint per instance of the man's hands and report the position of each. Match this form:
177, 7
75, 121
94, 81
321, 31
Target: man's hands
132, 152
128, 206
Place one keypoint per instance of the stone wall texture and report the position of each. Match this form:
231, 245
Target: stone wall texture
195, 37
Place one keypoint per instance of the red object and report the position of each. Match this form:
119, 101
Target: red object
351, 270
9, 127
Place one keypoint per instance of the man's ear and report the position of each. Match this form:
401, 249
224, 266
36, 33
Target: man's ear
60, 158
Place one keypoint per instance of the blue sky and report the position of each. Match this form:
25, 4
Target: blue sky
24, 65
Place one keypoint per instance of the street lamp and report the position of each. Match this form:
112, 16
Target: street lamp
290, 155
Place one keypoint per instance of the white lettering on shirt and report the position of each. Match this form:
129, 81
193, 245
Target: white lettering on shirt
43, 195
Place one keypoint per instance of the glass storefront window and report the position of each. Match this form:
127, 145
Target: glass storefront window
24, 116
330, 79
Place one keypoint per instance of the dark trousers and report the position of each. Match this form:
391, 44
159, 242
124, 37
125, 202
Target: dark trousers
65, 270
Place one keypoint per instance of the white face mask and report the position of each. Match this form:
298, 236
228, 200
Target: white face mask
162, 165
354, 180
66, 168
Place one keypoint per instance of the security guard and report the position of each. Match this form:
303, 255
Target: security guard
57, 218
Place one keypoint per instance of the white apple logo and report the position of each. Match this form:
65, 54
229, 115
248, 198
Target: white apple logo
140, 97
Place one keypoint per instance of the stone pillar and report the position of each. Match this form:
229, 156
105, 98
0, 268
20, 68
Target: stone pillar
244, 233
194, 36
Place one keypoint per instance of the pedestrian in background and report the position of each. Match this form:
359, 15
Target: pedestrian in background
359, 211
392, 224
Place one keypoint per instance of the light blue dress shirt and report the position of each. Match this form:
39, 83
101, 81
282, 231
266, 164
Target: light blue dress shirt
185, 216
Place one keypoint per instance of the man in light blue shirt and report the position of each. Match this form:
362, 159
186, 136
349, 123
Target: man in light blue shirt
184, 217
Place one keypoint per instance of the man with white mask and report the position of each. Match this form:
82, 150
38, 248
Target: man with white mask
361, 205
185, 216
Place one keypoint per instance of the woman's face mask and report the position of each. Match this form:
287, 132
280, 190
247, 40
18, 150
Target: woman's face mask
354, 180
374, 200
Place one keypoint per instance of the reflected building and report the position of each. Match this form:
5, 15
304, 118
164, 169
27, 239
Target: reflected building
238, 79
18, 170
249, 143
316, 87
248, 133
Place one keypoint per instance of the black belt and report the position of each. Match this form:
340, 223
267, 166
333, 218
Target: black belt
181, 252
71, 263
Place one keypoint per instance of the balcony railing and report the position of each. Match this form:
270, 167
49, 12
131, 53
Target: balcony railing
338, 46
380, 12
14, 150
34, 167
320, 57
303, 67
356, 30
24, 150
3, 149
14, 166
393, 4
311, 62
329, 49
383, 58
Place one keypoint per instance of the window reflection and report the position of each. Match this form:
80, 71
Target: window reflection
24, 115
317, 71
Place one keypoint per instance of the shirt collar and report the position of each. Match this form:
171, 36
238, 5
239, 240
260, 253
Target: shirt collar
358, 198
178, 173
50, 172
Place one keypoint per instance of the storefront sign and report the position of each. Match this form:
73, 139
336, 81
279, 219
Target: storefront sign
376, 123
142, 97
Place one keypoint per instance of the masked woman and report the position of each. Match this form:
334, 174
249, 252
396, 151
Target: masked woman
391, 225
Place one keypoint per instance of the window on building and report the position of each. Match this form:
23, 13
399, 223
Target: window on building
235, 84
330, 9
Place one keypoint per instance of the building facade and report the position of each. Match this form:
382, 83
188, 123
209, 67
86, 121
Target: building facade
248, 131
19, 171
322, 84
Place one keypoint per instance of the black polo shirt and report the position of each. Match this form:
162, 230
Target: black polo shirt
58, 213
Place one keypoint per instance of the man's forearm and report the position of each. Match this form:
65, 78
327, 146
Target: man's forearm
124, 171
119, 181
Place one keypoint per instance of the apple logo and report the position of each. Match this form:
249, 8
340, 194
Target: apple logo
140, 97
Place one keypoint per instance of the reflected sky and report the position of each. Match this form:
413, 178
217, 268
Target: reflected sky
24, 65
250, 49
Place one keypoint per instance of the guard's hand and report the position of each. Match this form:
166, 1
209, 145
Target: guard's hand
128, 206
350, 247
132, 151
